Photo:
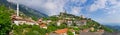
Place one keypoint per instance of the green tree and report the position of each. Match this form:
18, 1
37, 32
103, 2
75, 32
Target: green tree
62, 26
52, 27
70, 33
5, 22
28, 30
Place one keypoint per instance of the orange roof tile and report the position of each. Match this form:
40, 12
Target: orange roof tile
43, 25
18, 18
85, 30
46, 33
61, 31
15, 17
83, 20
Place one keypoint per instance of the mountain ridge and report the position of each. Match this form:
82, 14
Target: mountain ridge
26, 10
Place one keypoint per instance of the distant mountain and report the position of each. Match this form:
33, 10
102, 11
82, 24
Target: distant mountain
114, 27
26, 10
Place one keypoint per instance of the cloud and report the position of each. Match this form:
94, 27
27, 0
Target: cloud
110, 7
109, 19
51, 7
102, 4
81, 1
99, 4
76, 11
112, 12
113, 16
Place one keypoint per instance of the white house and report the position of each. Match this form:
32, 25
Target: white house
69, 23
81, 22
48, 21
19, 20
43, 25
60, 22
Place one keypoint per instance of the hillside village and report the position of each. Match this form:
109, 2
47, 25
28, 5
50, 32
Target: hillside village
62, 24
70, 22
59, 17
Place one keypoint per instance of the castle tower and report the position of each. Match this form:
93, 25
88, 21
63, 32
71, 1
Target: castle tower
65, 11
82, 16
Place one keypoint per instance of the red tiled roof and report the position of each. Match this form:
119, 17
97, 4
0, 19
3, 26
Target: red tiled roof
43, 25
83, 20
100, 30
85, 30
46, 33
61, 31
15, 17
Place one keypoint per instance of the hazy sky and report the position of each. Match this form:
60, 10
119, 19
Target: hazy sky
103, 11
